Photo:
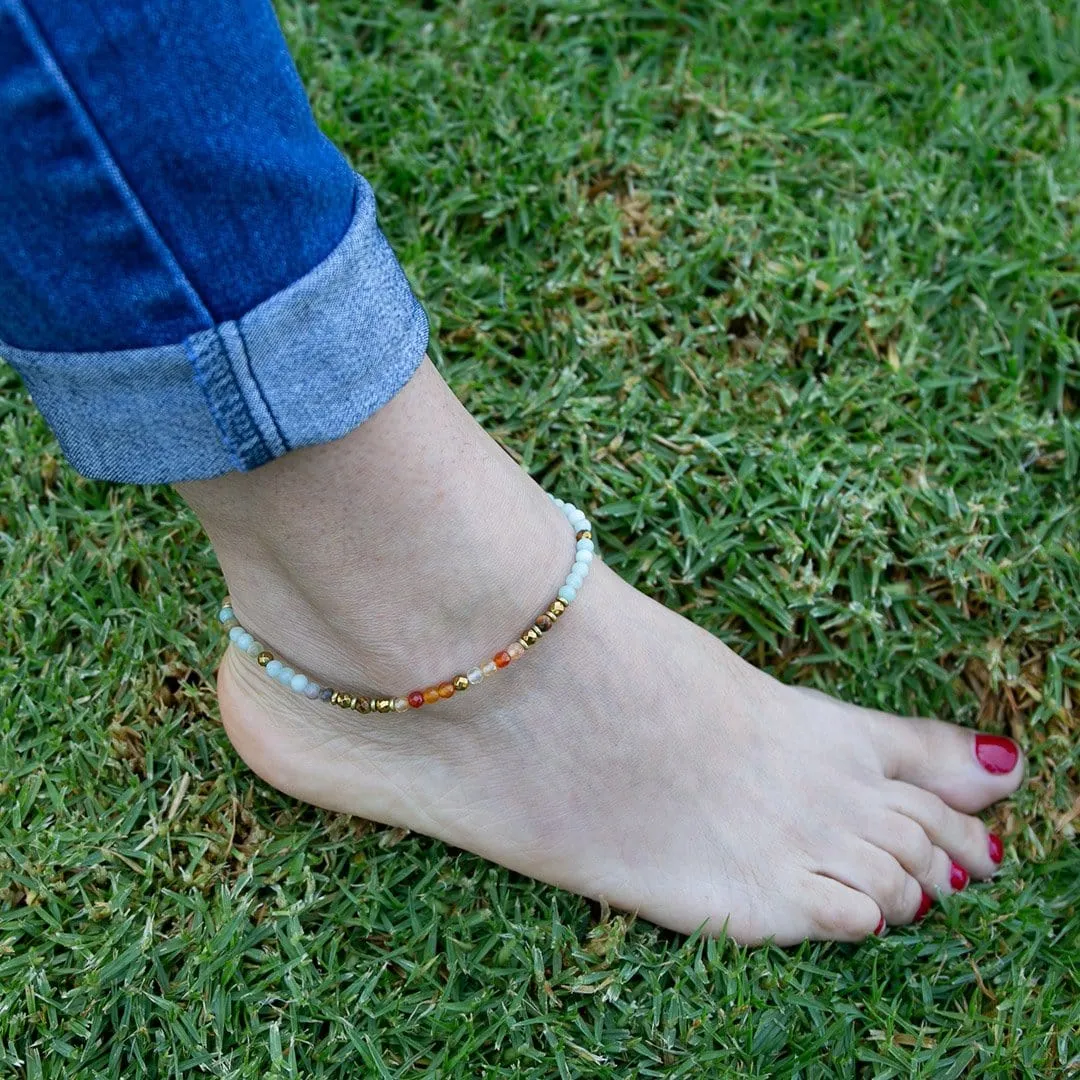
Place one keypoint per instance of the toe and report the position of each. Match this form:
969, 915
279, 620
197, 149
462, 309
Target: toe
967, 769
833, 911
966, 839
871, 870
931, 866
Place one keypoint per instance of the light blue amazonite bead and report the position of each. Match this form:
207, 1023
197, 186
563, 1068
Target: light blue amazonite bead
584, 556
235, 632
574, 581
312, 690
567, 594
254, 648
586, 545
298, 683
244, 641
225, 614
273, 669
285, 675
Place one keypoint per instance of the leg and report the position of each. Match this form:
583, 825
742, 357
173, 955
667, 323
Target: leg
632, 757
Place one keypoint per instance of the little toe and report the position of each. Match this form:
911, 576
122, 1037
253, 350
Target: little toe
967, 840
967, 769
833, 911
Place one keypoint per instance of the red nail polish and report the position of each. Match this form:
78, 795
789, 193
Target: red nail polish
958, 877
924, 906
880, 927
997, 849
996, 754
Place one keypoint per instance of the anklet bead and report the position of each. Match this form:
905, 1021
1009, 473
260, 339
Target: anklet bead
584, 555
567, 595
475, 676
557, 608
312, 691
363, 705
431, 695
584, 534
264, 658
461, 682
501, 659
298, 683
488, 668
326, 694
446, 690
400, 704
225, 614
530, 637
285, 676
273, 668
515, 650
416, 699
544, 623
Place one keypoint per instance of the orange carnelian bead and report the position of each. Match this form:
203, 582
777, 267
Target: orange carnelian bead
501, 659
416, 699
431, 695
446, 690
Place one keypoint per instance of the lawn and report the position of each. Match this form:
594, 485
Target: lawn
787, 295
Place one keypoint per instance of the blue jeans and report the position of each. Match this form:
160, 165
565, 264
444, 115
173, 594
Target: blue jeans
192, 279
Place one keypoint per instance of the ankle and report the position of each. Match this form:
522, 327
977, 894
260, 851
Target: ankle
407, 549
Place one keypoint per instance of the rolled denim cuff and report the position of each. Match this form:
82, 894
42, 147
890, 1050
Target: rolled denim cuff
305, 366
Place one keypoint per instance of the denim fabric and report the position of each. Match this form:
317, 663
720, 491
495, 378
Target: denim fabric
191, 276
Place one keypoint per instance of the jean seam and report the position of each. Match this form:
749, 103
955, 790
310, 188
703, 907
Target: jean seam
131, 199
255, 382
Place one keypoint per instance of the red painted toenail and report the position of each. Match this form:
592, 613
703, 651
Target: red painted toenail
924, 906
996, 848
958, 877
880, 927
996, 754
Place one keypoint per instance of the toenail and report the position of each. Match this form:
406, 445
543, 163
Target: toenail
924, 906
996, 848
880, 927
996, 754
958, 877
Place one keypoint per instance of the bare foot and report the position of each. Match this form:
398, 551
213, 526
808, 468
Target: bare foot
630, 756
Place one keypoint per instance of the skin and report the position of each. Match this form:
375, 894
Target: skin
630, 757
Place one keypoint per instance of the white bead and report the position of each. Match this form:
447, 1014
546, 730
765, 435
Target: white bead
584, 555
273, 668
298, 683
284, 676
235, 632
567, 594
312, 690
586, 545
574, 581
475, 675
400, 704
489, 668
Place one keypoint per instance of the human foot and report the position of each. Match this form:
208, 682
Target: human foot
631, 757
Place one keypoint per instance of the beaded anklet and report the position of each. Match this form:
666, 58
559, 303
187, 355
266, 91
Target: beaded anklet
309, 688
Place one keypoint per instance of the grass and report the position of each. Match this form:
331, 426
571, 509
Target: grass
787, 294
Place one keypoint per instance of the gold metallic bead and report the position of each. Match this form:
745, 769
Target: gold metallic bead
334, 697
522, 642
264, 658
583, 535
530, 637
346, 701
383, 704
363, 705
461, 682
557, 608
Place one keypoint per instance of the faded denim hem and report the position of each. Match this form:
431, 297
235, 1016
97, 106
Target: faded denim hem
304, 367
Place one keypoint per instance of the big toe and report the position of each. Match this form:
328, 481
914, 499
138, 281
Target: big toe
968, 769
